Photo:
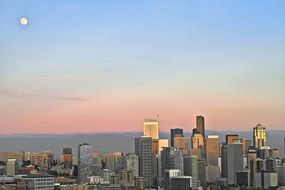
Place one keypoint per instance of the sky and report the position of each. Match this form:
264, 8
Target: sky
104, 66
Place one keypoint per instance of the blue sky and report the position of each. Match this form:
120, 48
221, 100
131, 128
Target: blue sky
176, 53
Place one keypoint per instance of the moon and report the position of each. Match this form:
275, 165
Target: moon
23, 21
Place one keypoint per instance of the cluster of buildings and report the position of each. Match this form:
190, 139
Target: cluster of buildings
179, 163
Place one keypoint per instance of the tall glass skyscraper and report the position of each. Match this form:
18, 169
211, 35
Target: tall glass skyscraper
85, 161
200, 125
175, 132
143, 148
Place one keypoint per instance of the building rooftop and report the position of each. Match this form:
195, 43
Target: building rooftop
37, 176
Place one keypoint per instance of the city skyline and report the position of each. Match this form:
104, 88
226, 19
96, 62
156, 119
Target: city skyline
105, 66
235, 161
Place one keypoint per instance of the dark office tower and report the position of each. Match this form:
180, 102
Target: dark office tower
251, 163
171, 158
202, 172
143, 148
231, 138
175, 132
224, 169
67, 158
234, 160
190, 164
243, 179
180, 182
200, 125
269, 164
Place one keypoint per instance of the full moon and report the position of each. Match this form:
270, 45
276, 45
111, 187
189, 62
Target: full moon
23, 21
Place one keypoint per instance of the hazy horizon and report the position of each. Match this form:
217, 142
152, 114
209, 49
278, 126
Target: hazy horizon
133, 132
106, 142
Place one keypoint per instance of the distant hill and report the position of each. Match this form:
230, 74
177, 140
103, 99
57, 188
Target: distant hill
105, 142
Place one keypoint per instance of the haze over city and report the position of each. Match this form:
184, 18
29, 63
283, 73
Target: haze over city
104, 66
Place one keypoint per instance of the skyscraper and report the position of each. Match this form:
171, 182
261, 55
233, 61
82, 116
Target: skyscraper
231, 138
67, 158
197, 140
190, 164
113, 161
158, 144
202, 172
259, 136
251, 159
181, 143
212, 149
85, 161
168, 174
200, 125
171, 158
150, 128
11, 167
173, 133
197, 144
224, 170
131, 162
143, 148
234, 160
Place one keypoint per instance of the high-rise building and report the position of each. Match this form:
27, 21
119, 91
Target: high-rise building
190, 164
259, 136
251, 157
243, 178
168, 174
197, 140
156, 168
67, 158
97, 161
230, 138
212, 173
281, 175
212, 149
202, 171
43, 158
158, 144
150, 128
266, 179
246, 144
224, 170
11, 167
200, 125
173, 133
85, 161
171, 158
143, 148
234, 160
131, 163
180, 183
113, 161
182, 144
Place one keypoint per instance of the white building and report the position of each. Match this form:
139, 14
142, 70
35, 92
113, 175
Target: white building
37, 182
11, 167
